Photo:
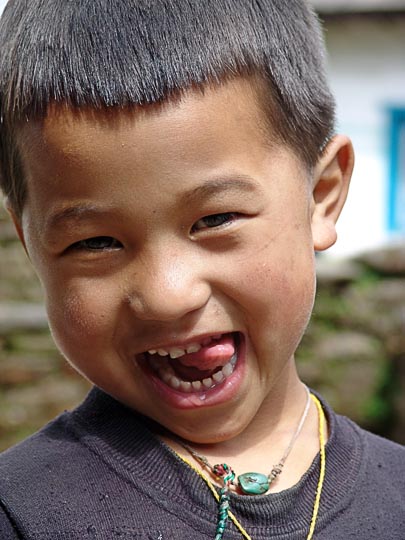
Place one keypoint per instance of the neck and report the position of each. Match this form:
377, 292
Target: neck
263, 443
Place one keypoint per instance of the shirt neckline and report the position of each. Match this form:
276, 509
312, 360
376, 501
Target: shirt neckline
124, 440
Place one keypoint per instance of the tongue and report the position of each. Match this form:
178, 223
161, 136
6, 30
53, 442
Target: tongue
216, 354
204, 363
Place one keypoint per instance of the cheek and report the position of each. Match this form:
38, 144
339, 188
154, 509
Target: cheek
81, 317
277, 286
282, 289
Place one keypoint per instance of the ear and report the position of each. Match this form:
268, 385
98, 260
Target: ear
17, 223
331, 183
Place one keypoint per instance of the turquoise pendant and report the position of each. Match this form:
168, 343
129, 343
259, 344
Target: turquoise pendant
253, 483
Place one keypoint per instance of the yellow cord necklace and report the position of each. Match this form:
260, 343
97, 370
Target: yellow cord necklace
229, 478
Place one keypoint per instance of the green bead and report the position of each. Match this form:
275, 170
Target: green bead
253, 483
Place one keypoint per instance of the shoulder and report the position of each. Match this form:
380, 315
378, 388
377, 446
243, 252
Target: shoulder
52, 439
374, 444
7, 530
386, 459
38, 457
30, 473
384, 448
364, 489
382, 461
58, 445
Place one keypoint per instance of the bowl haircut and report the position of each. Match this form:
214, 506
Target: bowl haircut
117, 53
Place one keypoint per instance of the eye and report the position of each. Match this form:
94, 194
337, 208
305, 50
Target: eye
97, 243
215, 220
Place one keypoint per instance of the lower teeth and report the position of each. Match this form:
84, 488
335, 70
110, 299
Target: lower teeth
166, 374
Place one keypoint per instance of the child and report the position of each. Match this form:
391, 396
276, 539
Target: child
171, 167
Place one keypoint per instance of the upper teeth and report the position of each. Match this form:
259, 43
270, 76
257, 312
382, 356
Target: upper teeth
177, 352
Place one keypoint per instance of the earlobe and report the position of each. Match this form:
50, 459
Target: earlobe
331, 183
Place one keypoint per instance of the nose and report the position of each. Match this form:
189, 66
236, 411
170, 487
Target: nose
168, 287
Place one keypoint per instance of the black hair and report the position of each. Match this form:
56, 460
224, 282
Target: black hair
114, 53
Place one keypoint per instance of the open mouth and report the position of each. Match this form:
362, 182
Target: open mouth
199, 366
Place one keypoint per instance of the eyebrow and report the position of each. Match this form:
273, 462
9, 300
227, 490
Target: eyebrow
73, 213
238, 183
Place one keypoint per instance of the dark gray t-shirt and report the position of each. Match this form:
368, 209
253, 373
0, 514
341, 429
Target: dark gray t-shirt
98, 472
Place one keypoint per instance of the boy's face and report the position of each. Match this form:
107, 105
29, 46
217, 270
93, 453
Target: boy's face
157, 230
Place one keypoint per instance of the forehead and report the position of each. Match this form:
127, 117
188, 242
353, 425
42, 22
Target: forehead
232, 107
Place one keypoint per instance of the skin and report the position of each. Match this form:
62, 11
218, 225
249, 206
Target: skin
167, 275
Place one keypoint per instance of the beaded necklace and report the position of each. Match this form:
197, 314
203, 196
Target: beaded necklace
227, 476
251, 483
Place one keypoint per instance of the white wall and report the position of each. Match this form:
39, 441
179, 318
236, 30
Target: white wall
367, 73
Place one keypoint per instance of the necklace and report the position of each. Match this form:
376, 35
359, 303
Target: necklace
252, 483
227, 475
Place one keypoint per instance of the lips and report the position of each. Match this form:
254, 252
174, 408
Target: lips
198, 367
